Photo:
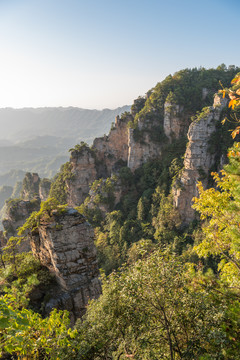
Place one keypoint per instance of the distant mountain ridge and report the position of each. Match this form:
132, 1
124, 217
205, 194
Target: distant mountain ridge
81, 124
38, 139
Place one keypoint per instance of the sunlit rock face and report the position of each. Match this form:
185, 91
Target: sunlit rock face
112, 149
144, 145
64, 244
197, 160
175, 123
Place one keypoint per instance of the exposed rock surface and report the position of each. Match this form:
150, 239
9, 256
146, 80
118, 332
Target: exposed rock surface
101, 161
84, 172
33, 187
105, 195
197, 160
64, 244
143, 149
30, 186
175, 123
114, 147
16, 213
44, 189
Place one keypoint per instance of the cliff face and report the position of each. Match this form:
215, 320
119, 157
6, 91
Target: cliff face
106, 156
16, 213
83, 172
64, 244
197, 160
105, 194
44, 189
140, 152
30, 186
136, 146
113, 148
121, 147
175, 121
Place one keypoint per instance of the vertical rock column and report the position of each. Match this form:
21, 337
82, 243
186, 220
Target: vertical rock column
65, 245
197, 160
83, 174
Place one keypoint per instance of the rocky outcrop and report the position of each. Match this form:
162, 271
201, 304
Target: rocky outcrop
112, 150
16, 213
197, 160
107, 154
33, 187
30, 186
83, 173
105, 194
64, 244
44, 189
175, 124
141, 145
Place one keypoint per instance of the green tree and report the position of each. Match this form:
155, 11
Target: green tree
152, 310
220, 208
25, 333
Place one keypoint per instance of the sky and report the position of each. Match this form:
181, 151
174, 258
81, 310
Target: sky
105, 53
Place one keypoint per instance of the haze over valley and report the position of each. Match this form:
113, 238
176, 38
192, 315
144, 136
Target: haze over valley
38, 140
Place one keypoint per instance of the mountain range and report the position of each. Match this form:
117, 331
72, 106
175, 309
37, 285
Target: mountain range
38, 140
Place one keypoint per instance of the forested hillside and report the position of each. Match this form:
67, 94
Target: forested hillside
160, 197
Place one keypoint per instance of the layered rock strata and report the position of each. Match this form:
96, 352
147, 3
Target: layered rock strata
64, 244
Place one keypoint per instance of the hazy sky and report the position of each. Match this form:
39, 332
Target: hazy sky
105, 53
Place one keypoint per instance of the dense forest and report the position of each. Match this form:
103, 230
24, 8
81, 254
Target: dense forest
170, 289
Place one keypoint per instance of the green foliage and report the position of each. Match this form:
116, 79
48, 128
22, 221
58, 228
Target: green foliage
25, 334
29, 186
44, 214
152, 311
138, 104
80, 148
220, 141
21, 275
167, 221
13, 210
221, 209
125, 115
201, 114
46, 184
103, 190
93, 214
185, 88
59, 187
